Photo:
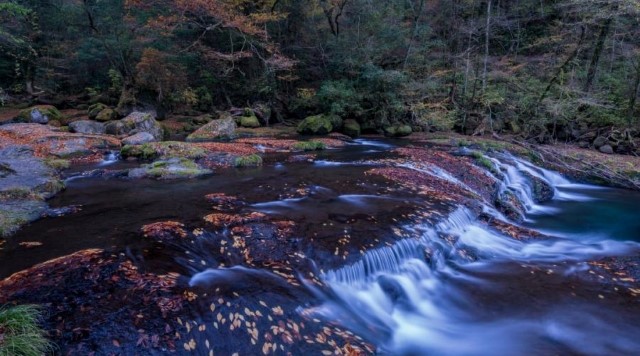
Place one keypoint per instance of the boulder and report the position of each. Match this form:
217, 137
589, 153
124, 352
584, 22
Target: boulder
40, 114
599, 142
606, 149
139, 139
221, 129
398, 131
95, 109
173, 168
315, 125
25, 181
134, 123
542, 191
107, 115
351, 128
87, 127
249, 121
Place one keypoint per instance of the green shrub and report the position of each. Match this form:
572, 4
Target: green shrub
20, 333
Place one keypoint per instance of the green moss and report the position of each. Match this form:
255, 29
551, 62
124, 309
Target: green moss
174, 168
19, 194
57, 164
144, 151
51, 187
20, 332
47, 110
398, 130
95, 109
309, 146
484, 162
248, 161
249, 121
106, 115
315, 125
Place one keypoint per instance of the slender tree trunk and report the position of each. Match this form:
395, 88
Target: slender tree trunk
416, 23
593, 65
564, 65
486, 47
634, 94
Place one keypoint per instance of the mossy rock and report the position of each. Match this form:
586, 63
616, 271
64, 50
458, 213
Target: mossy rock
57, 164
173, 168
249, 121
398, 131
309, 146
351, 128
95, 109
221, 129
106, 115
315, 125
165, 150
248, 161
14, 214
144, 152
40, 114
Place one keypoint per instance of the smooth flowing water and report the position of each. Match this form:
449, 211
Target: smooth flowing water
446, 285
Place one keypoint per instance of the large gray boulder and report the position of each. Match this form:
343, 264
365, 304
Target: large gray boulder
139, 139
222, 129
87, 127
134, 123
25, 181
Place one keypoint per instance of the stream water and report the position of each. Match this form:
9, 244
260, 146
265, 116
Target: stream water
420, 293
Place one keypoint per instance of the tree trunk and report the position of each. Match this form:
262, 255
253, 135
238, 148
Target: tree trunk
416, 23
634, 95
593, 66
564, 65
486, 47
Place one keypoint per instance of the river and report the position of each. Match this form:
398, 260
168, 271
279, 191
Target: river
412, 276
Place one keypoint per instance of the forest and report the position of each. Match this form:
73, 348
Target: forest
322, 177
549, 70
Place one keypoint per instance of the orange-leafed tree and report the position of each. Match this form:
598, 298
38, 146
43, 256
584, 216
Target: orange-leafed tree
156, 73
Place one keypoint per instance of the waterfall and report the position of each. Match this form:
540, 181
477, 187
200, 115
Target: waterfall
110, 157
416, 297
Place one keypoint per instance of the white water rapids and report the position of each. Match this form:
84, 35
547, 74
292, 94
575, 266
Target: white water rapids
423, 296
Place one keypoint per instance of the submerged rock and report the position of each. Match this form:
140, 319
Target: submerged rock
221, 129
173, 168
542, 191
